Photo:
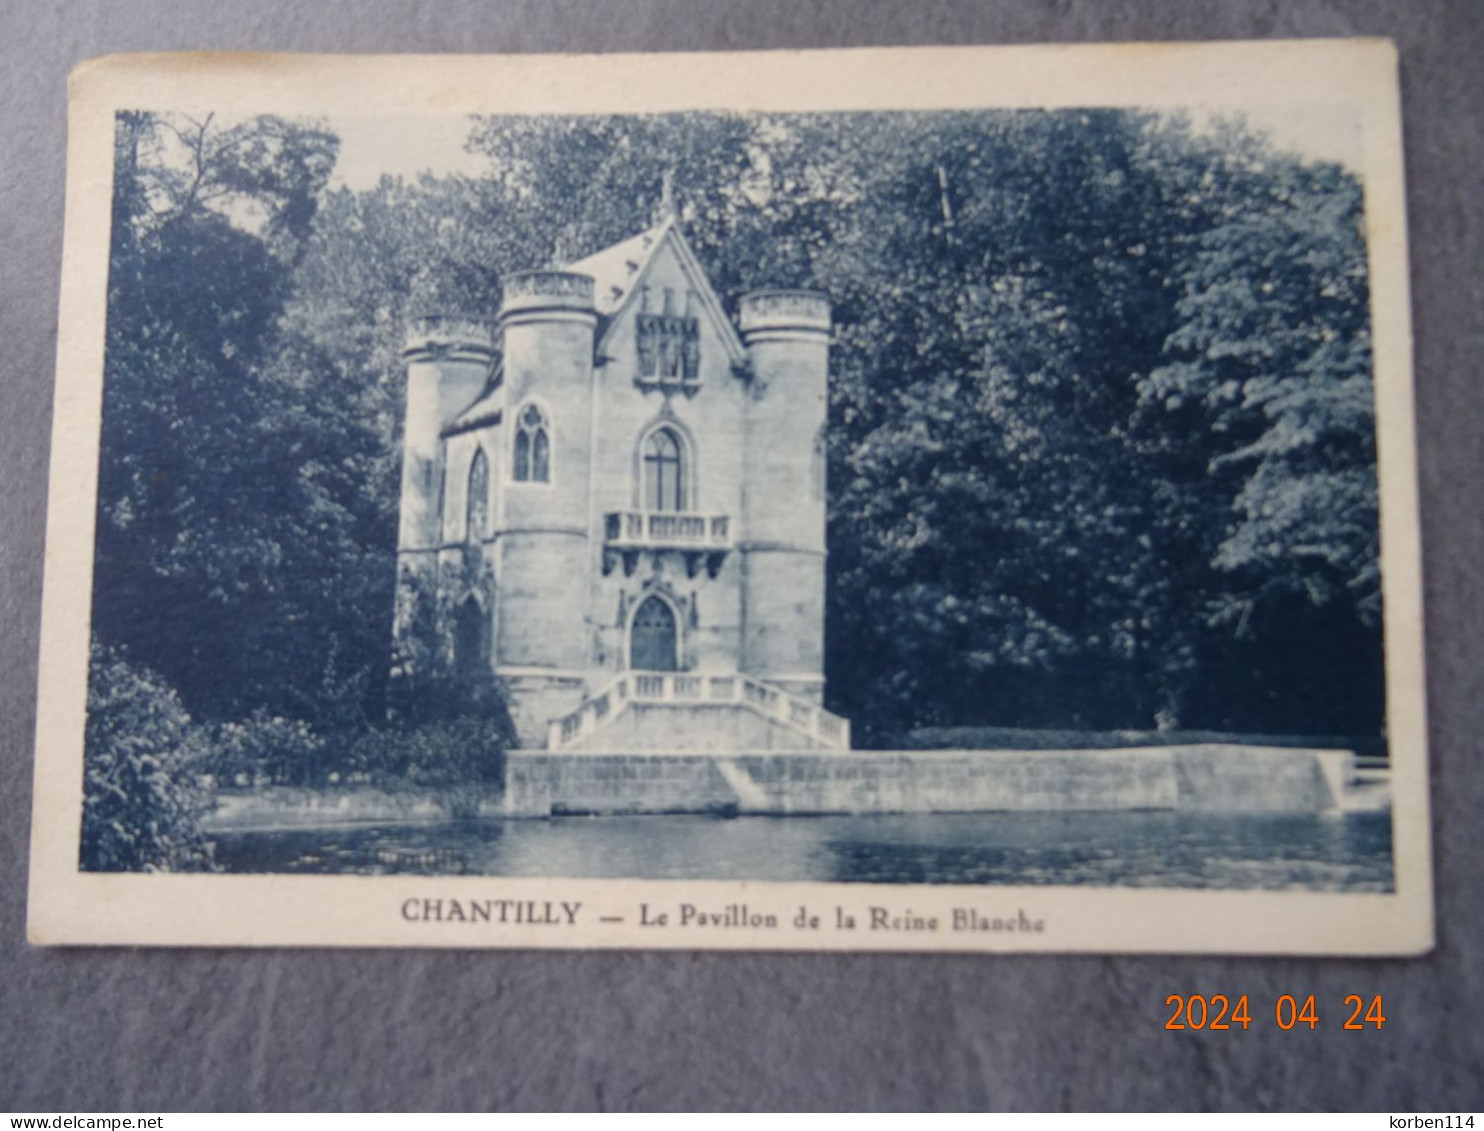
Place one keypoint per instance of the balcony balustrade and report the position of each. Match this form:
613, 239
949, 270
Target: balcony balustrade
703, 538
826, 730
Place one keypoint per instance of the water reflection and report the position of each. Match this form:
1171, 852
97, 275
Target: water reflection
1351, 852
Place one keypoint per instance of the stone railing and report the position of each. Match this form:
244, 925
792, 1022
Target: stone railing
828, 730
782, 309
436, 331
657, 530
534, 290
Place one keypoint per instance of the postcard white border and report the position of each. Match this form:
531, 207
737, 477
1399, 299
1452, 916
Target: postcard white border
72, 907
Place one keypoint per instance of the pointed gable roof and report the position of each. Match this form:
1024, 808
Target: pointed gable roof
618, 273
617, 270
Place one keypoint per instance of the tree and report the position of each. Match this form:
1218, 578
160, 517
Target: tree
1268, 376
1030, 522
1003, 563
1101, 448
238, 547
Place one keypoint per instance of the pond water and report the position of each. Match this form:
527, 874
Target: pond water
1140, 849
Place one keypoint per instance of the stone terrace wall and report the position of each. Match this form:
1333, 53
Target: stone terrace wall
1211, 778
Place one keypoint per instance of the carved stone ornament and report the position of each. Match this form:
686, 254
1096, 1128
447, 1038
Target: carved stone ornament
668, 349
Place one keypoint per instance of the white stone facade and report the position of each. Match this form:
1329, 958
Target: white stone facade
629, 508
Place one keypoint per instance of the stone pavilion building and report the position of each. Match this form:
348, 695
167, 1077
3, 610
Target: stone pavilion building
624, 518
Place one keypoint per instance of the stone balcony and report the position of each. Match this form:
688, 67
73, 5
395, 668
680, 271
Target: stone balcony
702, 538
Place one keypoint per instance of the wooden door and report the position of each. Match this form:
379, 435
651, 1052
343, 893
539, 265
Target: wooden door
652, 638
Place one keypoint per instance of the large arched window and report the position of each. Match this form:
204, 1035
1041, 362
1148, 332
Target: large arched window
664, 471
478, 509
532, 446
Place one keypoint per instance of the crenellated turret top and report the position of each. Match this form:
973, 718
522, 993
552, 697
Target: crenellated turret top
448, 335
776, 310
528, 292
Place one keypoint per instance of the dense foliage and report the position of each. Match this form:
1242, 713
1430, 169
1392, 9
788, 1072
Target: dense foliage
141, 795
1101, 448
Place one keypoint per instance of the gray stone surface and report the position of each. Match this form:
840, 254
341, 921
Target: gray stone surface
161, 1030
1215, 778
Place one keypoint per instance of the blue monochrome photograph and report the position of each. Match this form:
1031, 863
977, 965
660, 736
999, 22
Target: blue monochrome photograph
917, 497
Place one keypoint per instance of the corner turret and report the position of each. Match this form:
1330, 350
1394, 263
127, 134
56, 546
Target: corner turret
448, 358
787, 336
544, 640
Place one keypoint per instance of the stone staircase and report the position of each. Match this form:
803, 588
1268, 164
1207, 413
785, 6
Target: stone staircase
813, 727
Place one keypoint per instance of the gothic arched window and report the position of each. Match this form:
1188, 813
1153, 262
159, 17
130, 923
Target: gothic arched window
479, 497
532, 446
664, 478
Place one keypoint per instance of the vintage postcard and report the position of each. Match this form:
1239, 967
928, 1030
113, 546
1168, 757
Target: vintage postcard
933, 499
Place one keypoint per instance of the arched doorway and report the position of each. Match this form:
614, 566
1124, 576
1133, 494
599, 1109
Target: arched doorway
652, 638
471, 644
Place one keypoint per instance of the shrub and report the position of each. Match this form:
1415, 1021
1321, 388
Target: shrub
142, 795
468, 750
285, 751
